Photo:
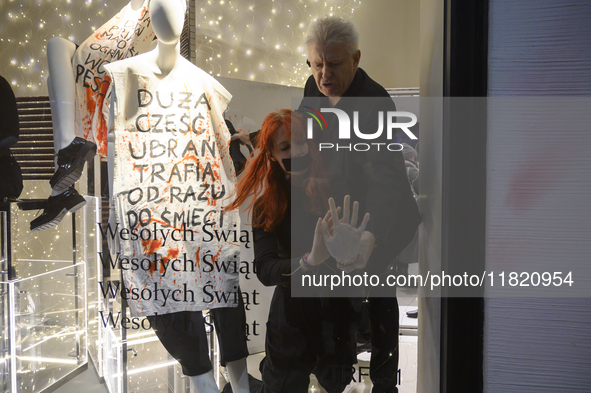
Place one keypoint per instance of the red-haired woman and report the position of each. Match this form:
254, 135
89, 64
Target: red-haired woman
289, 186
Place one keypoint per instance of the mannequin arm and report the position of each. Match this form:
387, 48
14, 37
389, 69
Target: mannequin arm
62, 90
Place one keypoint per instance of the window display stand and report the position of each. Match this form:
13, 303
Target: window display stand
54, 314
43, 298
134, 359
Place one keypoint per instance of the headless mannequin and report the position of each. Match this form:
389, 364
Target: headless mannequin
167, 17
62, 89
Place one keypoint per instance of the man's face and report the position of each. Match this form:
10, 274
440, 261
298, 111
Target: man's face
333, 68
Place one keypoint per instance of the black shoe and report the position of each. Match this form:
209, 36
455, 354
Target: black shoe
56, 208
70, 162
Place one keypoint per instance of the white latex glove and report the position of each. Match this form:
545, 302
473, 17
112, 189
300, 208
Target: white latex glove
345, 240
365, 248
319, 252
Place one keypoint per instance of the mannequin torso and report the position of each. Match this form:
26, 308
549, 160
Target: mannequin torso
161, 99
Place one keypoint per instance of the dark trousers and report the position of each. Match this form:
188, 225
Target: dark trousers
183, 335
309, 335
383, 321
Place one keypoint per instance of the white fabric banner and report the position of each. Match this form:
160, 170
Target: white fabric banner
180, 251
125, 35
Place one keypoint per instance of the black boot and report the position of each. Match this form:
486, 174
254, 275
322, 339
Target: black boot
70, 162
56, 208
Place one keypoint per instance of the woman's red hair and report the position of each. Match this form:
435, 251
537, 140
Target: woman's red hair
265, 179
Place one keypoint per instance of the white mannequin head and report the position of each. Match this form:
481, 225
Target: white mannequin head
168, 17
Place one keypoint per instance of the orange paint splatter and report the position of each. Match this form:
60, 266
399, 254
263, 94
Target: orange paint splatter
173, 253
151, 246
101, 131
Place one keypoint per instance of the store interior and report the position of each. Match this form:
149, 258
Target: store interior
55, 310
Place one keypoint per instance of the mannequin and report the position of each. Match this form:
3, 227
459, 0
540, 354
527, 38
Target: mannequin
146, 94
75, 75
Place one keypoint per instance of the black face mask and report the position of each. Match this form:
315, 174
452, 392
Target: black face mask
296, 164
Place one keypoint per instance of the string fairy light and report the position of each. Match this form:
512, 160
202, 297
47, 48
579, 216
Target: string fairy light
273, 32
26, 28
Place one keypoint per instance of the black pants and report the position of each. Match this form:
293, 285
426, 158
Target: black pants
309, 335
183, 335
383, 321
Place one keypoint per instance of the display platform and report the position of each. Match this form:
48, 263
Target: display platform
55, 315
43, 297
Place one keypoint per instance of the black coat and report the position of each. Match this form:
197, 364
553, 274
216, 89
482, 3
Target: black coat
377, 179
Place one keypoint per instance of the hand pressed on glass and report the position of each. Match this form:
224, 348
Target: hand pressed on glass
365, 248
319, 252
344, 241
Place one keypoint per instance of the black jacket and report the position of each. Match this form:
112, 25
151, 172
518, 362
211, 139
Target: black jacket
377, 179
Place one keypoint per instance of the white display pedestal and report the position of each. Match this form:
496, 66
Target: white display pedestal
43, 298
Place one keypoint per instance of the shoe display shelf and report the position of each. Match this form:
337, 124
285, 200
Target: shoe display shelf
47, 281
55, 315
135, 361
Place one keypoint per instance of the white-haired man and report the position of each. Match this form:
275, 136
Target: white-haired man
375, 177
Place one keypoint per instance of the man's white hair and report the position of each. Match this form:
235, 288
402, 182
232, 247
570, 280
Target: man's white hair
332, 29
